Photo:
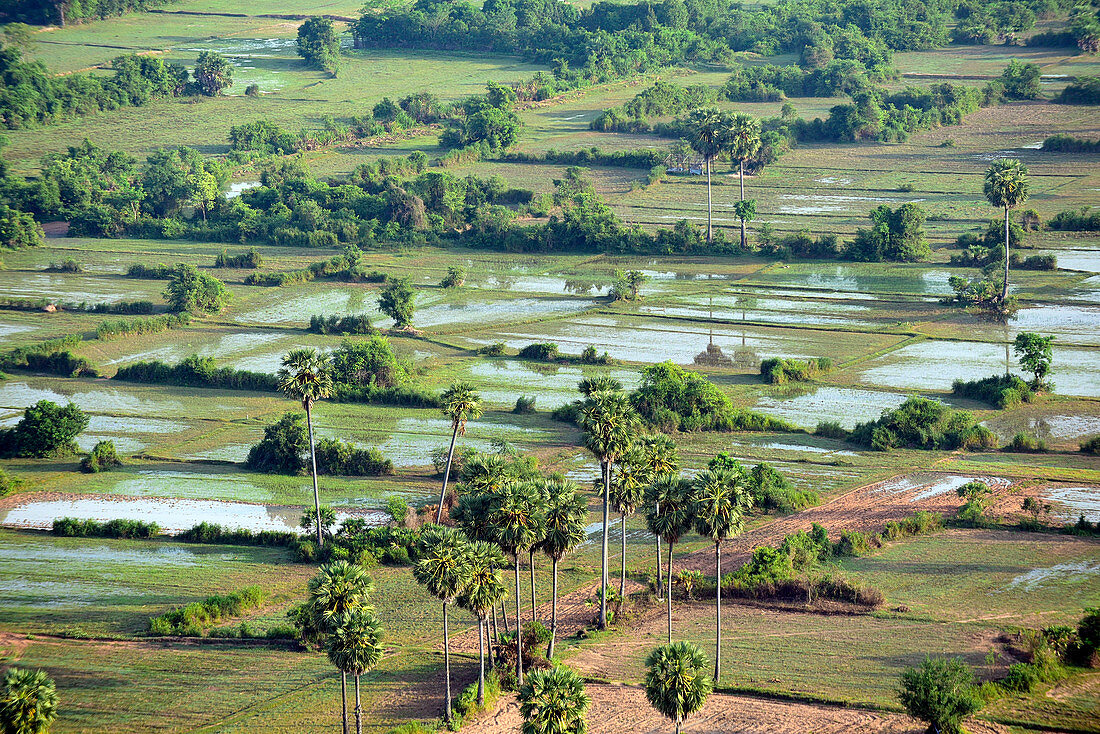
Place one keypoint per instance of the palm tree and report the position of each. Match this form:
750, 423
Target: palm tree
518, 523
443, 567
337, 589
627, 493
722, 498
609, 422
706, 125
460, 403
742, 142
670, 516
481, 476
541, 497
355, 647
483, 592
595, 383
553, 702
658, 457
566, 520
1006, 186
305, 376
676, 684
28, 702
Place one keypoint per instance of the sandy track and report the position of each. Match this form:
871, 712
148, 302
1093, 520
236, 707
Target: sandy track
625, 710
867, 508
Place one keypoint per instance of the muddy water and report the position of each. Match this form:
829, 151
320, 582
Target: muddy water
1061, 572
933, 485
105, 400
1071, 324
847, 406
172, 515
1072, 502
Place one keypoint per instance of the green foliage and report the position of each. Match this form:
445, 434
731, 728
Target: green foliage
977, 496
491, 350
780, 371
28, 702
151, 325
1023, 443
940, 692
1082, 90
553, 702
627, 285
207, 532
1035, 354
456, 276
676, 681
524, 405
69, 527
8, 483
335, 457
830, 429
319, 44
398, 302
923, 424
283, 447
213, 73
919, 523
341, 325
196, 371
1080, 220
102, 458
195, 292
366, 362
19, 229
192, 620
542, 351
897, 235
1091, 446
1021, 80
46, 429
1000, 391
250, 259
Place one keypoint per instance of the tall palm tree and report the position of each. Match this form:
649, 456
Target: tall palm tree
554, 702
519, 523
305, 376
483, 592
627, 493
28, 702
707, 129
722, 498
355, 647
460, 403
566, 521
1006, 186
481, 476
742, 142
541, 497
676, 683
443, 567
669, 515
337, 589
659, 457
609, 422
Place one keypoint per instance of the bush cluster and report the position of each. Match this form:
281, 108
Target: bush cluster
351, 325
1000, 391
207, 532
196, 371
102, 458
923, 424
193, 619
152, 325
71, 527
780, 371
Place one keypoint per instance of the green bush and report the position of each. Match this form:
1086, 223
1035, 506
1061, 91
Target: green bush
921, 423
544, 351
196, 371
491, 350
353, 325
1091, 446
921, 522
852, 543
8, 483
780, 371
940, 692
1000, 391
524, 405
207, 532
102, 458
335, 457
46, 429
191, 620
830, 429
70, 527
1023, 443
1021, 678
283, 448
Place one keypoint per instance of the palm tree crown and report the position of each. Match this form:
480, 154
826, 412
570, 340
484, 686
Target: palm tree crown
566, 519
1006, 183
485, 586
28, 702
706, 125
355, 645
609, 422
553, 702
676, 683
305, 376
742, 134
721, 501
461, 402
443, 564
670, 509
337, 589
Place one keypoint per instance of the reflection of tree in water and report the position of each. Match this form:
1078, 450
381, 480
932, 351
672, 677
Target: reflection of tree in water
579, 287
1041, 429
746, 357
713, 356
505, 282
544, 368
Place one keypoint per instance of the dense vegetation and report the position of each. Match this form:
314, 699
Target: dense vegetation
923, 424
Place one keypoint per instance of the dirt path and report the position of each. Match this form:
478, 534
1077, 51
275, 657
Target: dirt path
625, 710
867, 508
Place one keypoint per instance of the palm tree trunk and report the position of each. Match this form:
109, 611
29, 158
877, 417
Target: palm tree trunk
358, 709
481, 624
344, 698
622, 567
553, 611
708, 201
1004, 288
531, 560
446, 475
447, 662
718, 613
660, 586
496, 634
504, 614
519, 627
670, 592
741, 175
313, 460
606, 466
678, 723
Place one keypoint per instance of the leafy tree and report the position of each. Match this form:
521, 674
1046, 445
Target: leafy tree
484, 590
896, 235
461, 403
28, 702
516, 519
669, 514
48, 429
609, 422
355, 647
722, 499
627, 285
195, 292
19, 229
203, 190
1036, 354
1021, 80
676, 683
305, 376
281, 449
443, 567
366, 362
397, 302
707, 127
456, 276
319, 44
103, 457
566, 524
742, 142
745, 211
553, 702
213, 73
941, 692
1006, 186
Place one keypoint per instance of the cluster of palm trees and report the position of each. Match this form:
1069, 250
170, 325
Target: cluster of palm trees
715, 133
340, 619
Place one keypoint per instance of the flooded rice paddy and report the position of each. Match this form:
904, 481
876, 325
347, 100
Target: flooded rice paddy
101, 400
1071, 503
1079, 572
847, 406
933, 485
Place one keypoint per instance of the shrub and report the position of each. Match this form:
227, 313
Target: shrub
455, 277
125, 327
919, 523
923, 424
357, 325
1080, 220
540, 351
192, 619
780, 371
398, 509
65, 266
852, 543
46, 429
196, 371
941, 692
250, 259
830, 429
207, 532
491, 350
1000, 391
64, 364
151, 272
524, 405
336, 457
195, 292
1021, 678
283, 447
102, 458
1023, 443
8, 483
70, 527
1091, 446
